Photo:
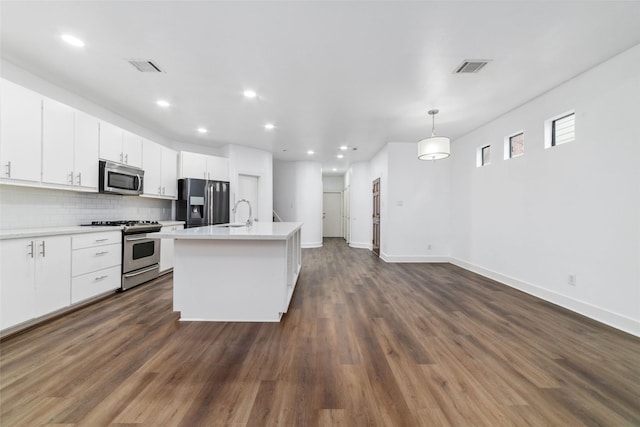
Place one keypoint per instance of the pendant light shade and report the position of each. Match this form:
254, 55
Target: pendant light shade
434, 147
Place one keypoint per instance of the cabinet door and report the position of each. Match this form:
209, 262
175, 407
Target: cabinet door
132, 149
169, 173
152, 165
193, 165
17, 281
166, 248
53, 274
111, 142
57, 143
85, 165
217, 168
20, 132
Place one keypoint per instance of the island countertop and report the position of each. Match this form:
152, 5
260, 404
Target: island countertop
258, 231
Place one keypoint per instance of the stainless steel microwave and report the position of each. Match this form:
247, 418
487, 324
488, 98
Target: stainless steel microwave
120, 179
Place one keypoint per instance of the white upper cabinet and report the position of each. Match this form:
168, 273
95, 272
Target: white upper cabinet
194, 165
69, 146
119, 145
160, 165
57, 143
85, 148
169, 173
132, 149
20, 132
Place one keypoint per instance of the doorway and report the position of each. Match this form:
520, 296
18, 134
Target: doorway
376, 217
248, 186
332, 214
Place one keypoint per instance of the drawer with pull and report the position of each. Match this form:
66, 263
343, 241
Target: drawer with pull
95, 258
96, 239
94, 283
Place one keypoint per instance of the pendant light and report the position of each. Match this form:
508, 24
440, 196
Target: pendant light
434, 147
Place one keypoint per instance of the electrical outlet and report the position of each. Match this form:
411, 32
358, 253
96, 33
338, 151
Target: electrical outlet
572, 280
429, 246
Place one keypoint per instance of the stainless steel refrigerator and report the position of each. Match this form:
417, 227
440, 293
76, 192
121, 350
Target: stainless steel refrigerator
202, 202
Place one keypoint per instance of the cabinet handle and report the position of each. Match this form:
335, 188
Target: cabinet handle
8, 172
163, 191
42, 246
30, 245
101, 278
101, 240
79, 178
121, 157
126, 158
71, 178
159, 190
102, 253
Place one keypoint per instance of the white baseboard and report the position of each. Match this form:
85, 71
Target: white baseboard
626, 324
310, 245
412, 258
358, 245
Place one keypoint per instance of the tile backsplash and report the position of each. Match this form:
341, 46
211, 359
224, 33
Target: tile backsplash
26, 207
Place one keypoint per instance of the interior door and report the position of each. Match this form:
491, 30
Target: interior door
376, 217
331, 215
247, 189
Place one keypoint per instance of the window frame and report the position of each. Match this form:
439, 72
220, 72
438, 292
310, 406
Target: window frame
507, 145
549, 129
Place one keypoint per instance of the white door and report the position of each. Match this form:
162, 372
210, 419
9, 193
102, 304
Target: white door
85, 165
346, 215
247, 189
331, 214
152, 164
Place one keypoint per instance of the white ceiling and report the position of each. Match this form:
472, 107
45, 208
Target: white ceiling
327, 73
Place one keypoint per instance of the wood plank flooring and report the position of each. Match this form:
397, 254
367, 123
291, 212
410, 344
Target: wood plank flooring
365, 343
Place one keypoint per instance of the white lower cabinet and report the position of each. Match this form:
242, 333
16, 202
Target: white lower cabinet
96, 264
35, 278
166, 249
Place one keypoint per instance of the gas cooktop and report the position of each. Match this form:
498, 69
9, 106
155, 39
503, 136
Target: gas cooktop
128, 223
129, 226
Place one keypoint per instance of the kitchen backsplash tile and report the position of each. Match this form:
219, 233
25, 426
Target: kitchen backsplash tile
24, 207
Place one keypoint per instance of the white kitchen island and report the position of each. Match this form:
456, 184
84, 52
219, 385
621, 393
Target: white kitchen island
235, 274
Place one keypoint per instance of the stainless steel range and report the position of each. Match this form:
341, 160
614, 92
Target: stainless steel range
140, 254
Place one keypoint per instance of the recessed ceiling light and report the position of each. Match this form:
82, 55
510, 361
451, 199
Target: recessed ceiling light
202, 130
249, 94
269, 126
340, 156
343, 147
73, 41
163, 103
310, 152
334, 169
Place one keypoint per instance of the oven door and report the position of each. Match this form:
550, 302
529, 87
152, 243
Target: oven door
139, 251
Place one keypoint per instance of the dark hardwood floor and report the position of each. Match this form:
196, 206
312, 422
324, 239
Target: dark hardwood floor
365, 343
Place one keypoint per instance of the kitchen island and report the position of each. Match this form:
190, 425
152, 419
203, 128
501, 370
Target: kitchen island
235, 273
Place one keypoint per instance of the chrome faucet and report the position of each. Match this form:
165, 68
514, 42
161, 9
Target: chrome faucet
250, 219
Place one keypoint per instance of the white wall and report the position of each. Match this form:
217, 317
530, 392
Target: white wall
332, 184
251, 161
298, 197
284, 190
360, 192
417, 201
573, 209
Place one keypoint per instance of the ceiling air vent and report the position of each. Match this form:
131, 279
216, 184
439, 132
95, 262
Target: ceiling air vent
145, 66
471, 66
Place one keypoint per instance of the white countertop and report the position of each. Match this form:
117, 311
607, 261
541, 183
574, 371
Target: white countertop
54, 231
169, 222
259, 231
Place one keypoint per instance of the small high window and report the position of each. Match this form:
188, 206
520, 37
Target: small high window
514, 145
483, 156
560, 129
